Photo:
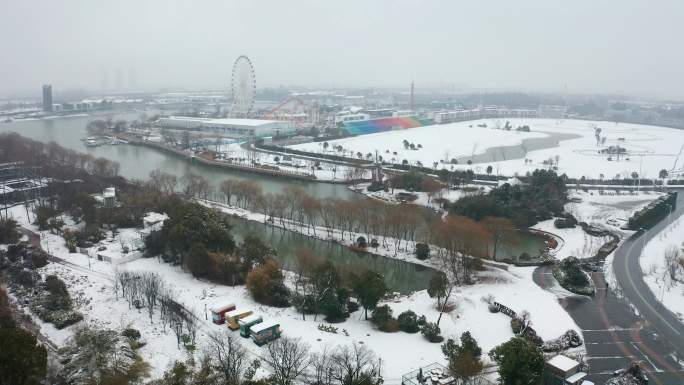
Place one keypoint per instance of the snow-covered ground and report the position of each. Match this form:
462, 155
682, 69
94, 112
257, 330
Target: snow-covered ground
90, 282
608, 210
328, 171
439, 143
650, 149
656, 271
423, 199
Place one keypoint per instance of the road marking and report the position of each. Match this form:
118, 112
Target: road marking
647, 358
638, 293
615, 329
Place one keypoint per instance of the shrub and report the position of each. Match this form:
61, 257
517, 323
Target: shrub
431, 331
361, 242
374, 243
392, 326
381, 316
130, 333
56, 285
422, 251
39, 259
408, 322
8, 231
573, 273
265, 283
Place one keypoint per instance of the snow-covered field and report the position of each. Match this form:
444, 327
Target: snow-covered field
328, 171
439, 142
90, 282
609, 211
656, 270
650, 149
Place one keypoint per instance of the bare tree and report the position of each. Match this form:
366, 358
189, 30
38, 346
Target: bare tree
196, 186
229, 357
151, 286
321, 368
356, 365
164, 182
228, 189
671, 260
288, 358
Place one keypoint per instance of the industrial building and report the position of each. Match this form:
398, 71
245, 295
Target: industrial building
229, 127
444, 117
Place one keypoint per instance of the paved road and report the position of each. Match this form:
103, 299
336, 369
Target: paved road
614, 335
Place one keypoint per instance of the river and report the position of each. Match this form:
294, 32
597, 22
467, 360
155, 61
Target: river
137, 162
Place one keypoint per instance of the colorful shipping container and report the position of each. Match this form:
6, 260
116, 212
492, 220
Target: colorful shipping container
218, 313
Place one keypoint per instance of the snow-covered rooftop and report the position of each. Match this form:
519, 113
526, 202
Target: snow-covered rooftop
236, 312
221, 307
563, 363
263, 326
575, 377
249, 319
226, 121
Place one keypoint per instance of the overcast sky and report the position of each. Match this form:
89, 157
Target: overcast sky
589, 46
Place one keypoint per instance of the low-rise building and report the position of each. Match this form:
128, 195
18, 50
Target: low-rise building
563, 370
228, 127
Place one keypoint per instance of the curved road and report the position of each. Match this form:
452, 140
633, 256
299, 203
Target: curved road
614, 336
630, 278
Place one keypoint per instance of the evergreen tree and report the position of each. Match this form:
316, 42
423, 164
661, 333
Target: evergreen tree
519, 361
438, 286
369, 288
23, 361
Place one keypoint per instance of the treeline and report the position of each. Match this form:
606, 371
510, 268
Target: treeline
54, 160
366, 222
653, 213
23, 359
288, 150
287, 361
540, 198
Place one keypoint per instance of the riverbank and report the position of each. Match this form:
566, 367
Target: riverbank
223, 164
403, 250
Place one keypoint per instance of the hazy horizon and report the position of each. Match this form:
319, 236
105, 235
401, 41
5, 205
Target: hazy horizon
582, 47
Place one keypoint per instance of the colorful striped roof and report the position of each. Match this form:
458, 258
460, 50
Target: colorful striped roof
373, 126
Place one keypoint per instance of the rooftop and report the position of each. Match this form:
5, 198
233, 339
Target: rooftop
249, 319
263, 326
563, 363
227, 121
235, 312
575, 377
218, 308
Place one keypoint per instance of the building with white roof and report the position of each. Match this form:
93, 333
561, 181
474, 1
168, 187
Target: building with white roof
563, 370
228, 127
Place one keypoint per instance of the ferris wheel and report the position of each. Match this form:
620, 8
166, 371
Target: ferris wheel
243, 87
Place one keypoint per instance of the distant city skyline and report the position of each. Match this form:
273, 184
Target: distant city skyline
582, 47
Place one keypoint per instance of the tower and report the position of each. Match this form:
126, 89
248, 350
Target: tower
47, 97
412, 103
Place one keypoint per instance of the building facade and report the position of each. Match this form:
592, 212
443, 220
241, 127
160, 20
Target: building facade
229, 127
47, 98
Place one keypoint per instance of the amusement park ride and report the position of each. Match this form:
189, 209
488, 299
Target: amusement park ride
243, 90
